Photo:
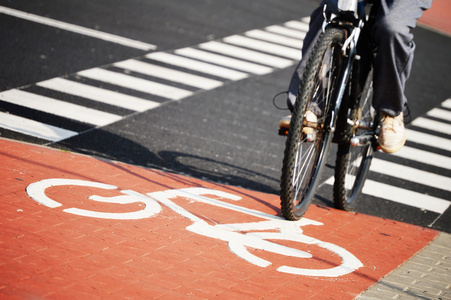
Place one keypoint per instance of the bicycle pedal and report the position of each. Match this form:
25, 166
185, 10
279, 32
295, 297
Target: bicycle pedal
360, 141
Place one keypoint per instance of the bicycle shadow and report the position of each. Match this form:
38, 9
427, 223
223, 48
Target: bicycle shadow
173, 157
110, 147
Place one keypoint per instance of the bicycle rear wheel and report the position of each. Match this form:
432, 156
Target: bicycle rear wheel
353, 162
305, 154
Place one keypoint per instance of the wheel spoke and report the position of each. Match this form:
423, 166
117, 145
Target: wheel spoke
303, 159
353, 162
302, 166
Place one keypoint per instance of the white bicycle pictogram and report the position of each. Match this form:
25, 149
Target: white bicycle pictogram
256, 234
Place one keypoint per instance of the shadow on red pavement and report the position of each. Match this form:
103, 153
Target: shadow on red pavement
149, 234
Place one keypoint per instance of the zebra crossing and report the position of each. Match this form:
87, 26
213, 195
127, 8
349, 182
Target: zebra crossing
137, 85
431, 131
63, 107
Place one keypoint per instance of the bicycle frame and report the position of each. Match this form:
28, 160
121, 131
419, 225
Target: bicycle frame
346, 37
353, 19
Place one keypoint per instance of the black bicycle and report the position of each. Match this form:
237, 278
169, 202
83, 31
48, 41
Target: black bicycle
337, 87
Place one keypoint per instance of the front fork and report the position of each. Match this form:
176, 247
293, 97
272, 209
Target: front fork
346, 117
350, 120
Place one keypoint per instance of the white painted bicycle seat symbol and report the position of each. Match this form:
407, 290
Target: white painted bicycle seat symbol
256, 236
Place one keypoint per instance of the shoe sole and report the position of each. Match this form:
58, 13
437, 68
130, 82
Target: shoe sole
393, 150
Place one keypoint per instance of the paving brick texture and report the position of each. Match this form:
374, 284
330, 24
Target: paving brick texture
426, 276
63, 239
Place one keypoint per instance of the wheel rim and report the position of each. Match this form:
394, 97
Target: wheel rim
309, 154
358, 156
356, 165
304, 168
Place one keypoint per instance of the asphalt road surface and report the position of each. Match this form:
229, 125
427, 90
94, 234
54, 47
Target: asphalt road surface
187, 86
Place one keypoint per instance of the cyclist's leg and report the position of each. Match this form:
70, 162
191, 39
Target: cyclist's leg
316, 21
395, 43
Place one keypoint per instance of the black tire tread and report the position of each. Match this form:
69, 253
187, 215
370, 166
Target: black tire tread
294, 133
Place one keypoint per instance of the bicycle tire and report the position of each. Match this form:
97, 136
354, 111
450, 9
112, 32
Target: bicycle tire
303, 160
353, 162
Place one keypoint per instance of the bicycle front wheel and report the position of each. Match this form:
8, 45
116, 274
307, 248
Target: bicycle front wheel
353, 162
306, 149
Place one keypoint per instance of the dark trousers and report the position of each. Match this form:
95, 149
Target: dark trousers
394, 20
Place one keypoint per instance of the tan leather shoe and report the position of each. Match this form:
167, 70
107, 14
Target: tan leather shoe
393, 135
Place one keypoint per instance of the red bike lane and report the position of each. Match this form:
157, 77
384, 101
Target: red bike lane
438, 17
153, 234
160, 235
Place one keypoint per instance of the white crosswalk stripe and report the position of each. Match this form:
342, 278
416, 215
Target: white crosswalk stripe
274, 38
33, 128
432, 125
447, 104
404, 172
427, 157
299, 25
225, 61
401, 195
249, 55
98, 94
428, 139
267, 47
140, 84
406, 197
439, 114
136, 83
285, 31
411, 174
59, 108
162, 76
196, 65
169, 74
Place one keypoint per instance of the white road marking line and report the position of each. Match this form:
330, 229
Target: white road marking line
267, 47
249, 55
274, 38
169, 74
196, 65
98, 94
411, 174
201, 61
439, 114
78, 29
299, 25
59, 108
286, 31
447, 103
33, 128
402, 196
425, 157
428, 139
134, 83
224, 61
432, 125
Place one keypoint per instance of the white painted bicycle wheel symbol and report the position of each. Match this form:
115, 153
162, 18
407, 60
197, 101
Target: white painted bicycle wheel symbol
239, 243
